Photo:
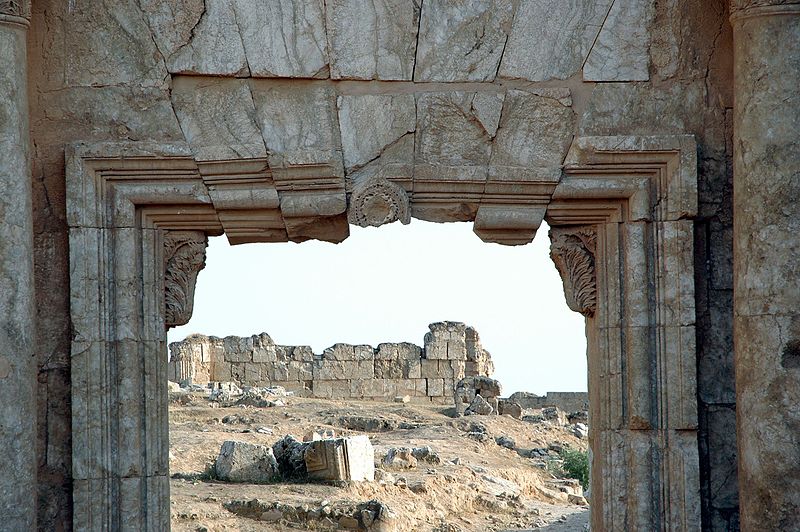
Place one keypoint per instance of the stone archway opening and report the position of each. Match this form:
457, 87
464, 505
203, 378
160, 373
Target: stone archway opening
386, 285
621, 212
509, 295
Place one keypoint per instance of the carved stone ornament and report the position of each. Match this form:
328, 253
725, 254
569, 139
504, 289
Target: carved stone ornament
573, 250
376, 202
15, 8
184, 257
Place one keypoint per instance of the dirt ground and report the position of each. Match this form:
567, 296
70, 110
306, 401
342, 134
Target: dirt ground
478, 486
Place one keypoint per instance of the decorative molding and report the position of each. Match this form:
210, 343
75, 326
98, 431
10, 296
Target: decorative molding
377, 201
128, 205
184, 257
573, 251
741, 9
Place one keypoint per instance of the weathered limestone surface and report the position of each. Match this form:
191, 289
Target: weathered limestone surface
462, 41
372, 123
351, 459
620, 52
451, 351
245, 462
767, 261
236, 37
372, 39
17, 355
550, 39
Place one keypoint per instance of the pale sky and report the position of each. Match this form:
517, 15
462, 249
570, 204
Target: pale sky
387, 284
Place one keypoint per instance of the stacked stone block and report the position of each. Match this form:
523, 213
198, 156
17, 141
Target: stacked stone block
343, 371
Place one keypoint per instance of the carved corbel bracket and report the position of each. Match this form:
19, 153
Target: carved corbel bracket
184, 257
573, 252
16, 8
377, 201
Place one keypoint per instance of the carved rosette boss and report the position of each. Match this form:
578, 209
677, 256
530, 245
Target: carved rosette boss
573, 251
184, 257
377, 201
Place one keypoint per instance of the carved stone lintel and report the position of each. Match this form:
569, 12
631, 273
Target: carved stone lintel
573, 250
377, 201
184, 257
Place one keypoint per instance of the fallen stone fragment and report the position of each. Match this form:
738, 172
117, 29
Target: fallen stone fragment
479, 406
580, 431
290, 454
507, 442
509, 408
245, 462
426, 454
350, 459
400, 458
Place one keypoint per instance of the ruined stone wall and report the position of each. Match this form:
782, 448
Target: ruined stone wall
451, 351
566, 401
121, 70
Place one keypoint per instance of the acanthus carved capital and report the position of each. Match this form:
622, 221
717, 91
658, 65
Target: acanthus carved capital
573, 252
377, 201
15, 8
184, 257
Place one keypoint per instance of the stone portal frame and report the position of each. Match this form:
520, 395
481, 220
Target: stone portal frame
622, 239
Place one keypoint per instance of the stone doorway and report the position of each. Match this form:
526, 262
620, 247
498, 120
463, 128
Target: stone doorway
621, 210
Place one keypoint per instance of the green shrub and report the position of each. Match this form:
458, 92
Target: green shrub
576, 465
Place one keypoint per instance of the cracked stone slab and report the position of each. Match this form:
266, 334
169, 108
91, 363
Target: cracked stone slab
280, 38
462, 40
622, 49
372, 39
298, 122
371, 123
217, 117
452, 142
215, 46
550, 39
535, 132
283, 38
172, 22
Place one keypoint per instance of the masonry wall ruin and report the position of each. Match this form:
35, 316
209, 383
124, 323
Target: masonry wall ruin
451, 351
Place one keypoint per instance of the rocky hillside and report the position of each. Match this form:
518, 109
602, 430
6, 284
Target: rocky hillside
472, 473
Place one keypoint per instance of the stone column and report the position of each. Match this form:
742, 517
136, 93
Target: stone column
17, 363
767, 260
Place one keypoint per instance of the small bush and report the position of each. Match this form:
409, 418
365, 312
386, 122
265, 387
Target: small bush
576, 465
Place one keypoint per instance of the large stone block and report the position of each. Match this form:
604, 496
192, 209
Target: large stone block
350, 459
389, 369
622, 49
246, 462
368, 388
217, 117
452, 141
462, 41
370, 123
213, 44
550, 39
412, 369
298, 123
535, 132
429, 369
372, 39
343, 369
435, 387
252, 372
283, 38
